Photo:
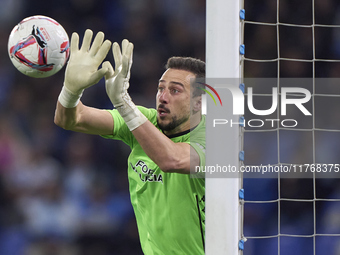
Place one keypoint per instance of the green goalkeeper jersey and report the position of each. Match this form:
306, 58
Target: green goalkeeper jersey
169, 207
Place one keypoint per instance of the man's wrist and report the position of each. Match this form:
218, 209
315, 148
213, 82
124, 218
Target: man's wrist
68, 99
131, 115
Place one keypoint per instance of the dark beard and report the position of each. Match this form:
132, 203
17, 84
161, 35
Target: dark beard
173, 124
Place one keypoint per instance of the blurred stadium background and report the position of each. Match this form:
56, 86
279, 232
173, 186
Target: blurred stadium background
67, 193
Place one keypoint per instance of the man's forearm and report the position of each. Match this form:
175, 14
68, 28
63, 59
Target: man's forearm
66, 117
169, 156
84, 119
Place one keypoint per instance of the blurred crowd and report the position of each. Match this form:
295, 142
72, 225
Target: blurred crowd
63, 192
67, 193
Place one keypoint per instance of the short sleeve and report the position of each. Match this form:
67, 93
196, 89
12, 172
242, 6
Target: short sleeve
120, 129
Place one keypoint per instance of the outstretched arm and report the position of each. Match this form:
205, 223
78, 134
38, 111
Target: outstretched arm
82, 72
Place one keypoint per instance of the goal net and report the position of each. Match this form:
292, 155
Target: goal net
286, 199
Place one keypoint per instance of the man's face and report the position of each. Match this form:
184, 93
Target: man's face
173, 101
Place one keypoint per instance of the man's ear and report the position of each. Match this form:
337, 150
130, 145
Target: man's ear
197, 104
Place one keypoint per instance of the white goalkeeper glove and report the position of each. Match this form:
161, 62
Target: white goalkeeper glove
117, 83
82, 68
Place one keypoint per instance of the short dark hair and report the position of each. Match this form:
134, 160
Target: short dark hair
193, 65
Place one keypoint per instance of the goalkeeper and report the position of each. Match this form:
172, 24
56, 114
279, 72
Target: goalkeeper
166, 143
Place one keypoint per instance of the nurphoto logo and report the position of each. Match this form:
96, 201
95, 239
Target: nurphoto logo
209, 93
300, 97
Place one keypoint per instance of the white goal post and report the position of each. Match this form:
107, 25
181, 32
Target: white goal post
223, 210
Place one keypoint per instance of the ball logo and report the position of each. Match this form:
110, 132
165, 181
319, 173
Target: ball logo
35, 39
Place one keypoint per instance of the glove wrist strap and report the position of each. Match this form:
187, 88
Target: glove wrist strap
131, 115
69, 99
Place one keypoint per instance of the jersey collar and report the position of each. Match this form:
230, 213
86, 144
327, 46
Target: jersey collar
180, 133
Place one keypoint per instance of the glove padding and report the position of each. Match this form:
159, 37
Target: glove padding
117, 84
82, 68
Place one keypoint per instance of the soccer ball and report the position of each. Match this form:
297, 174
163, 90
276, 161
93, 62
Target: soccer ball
38, 46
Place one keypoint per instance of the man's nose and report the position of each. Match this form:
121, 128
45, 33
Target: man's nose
164, 96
